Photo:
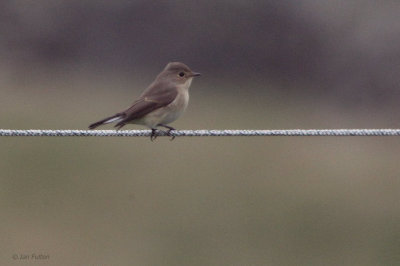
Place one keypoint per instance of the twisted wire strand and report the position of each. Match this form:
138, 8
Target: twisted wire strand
198, 133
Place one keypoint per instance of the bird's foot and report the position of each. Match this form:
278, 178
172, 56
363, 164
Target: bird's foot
169, 131
153, 135
169, 134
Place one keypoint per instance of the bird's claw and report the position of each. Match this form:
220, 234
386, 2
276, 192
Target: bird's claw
154, 134
169, 134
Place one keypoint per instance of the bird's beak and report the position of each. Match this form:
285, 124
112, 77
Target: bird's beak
194, 74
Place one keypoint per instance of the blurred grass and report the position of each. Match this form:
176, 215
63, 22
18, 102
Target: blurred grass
195, 201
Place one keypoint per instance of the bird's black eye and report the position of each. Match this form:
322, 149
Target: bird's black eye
181, 74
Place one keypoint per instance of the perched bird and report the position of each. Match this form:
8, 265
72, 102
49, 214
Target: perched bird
161, 103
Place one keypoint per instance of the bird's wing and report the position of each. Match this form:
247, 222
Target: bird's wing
148, 102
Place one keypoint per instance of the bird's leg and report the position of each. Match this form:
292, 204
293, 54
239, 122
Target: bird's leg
169, 131
153, 135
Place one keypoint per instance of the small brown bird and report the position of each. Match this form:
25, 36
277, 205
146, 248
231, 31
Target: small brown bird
161, 103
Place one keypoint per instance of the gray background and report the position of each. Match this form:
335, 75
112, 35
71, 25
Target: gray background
202, 201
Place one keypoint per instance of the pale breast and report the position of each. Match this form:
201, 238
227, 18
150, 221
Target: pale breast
169, 113
175, 109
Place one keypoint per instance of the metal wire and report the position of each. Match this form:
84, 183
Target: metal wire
199, 133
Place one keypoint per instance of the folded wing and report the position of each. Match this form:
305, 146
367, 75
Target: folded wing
148, 102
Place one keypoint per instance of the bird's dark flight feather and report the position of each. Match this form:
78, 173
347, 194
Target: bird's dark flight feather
104, 121
152, 99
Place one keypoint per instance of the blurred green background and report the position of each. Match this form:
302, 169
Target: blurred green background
201, 201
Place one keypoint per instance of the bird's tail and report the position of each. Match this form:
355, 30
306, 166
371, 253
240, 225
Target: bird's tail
115, 118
